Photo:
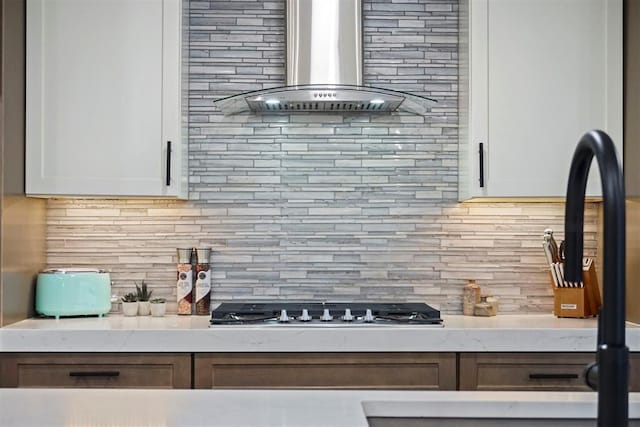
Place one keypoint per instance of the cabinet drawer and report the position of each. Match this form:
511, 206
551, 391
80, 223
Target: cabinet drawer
431, 371
96, 370
527, 371
531, 371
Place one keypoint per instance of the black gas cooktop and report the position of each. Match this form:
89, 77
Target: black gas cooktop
301, 313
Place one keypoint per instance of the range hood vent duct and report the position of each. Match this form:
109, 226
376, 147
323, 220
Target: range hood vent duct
324, 67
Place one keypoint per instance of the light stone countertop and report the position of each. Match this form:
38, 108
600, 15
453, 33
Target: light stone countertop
115, 333
281, 408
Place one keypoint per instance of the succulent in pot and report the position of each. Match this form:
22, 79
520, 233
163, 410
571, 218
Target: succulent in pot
130, 304
158, 307
143, 295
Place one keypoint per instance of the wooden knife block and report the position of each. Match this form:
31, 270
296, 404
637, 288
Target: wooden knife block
578, 302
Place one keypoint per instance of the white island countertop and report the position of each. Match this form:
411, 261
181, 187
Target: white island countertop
281, 408
115, 333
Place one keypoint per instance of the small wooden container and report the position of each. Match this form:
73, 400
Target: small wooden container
578, 301
486, 308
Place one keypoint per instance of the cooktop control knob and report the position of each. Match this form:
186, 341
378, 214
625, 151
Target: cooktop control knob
348, 317
326, 317
368, 316
305, 316
284, 318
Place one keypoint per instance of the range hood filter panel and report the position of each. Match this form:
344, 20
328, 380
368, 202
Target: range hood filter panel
328, 99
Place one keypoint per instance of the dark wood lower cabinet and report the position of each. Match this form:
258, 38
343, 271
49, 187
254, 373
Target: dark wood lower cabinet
382, 371
402, 371
96, 370
532, 371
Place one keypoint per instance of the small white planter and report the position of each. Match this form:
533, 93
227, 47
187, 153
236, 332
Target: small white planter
143, 308
130, 308
158, 309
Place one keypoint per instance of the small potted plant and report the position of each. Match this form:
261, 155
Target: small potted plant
143, 295
158, 306
130, 304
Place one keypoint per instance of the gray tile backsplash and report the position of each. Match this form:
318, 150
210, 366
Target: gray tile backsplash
321, 206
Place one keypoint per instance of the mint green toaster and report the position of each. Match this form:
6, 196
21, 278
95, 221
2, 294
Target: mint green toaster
73, 292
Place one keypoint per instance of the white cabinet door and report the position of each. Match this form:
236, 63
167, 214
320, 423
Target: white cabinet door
541, 73
103, 98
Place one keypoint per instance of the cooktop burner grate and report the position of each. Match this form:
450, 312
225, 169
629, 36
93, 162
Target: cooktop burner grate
243, 313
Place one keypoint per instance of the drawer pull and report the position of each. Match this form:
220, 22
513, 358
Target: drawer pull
94, 374
553, 376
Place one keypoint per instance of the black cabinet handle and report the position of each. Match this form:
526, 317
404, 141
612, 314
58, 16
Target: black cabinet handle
481, 158
168, 163
559, 376
94, 373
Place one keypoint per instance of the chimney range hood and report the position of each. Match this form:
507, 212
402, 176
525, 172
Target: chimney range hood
324, 67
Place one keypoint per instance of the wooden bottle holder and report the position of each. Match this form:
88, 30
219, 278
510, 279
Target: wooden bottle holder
578, 302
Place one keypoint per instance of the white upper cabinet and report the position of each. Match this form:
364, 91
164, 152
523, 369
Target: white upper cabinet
535, 76
104, 98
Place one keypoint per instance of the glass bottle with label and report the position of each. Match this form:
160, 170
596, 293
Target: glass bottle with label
203, 281
185, 281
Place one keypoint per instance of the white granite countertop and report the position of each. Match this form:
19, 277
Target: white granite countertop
115, 333
282, 408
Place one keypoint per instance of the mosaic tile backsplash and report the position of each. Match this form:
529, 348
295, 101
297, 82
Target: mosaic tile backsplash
321, 206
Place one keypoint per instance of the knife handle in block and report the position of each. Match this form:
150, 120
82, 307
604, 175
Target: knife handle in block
546, 246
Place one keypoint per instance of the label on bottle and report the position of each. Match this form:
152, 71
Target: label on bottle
203, 284
185, 282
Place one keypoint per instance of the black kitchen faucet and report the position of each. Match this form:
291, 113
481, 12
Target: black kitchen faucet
609, 374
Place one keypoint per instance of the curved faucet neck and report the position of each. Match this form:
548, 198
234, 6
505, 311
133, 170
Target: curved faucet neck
612, 363
597, 143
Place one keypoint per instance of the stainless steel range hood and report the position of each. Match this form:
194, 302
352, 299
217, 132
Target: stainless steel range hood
324, 67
